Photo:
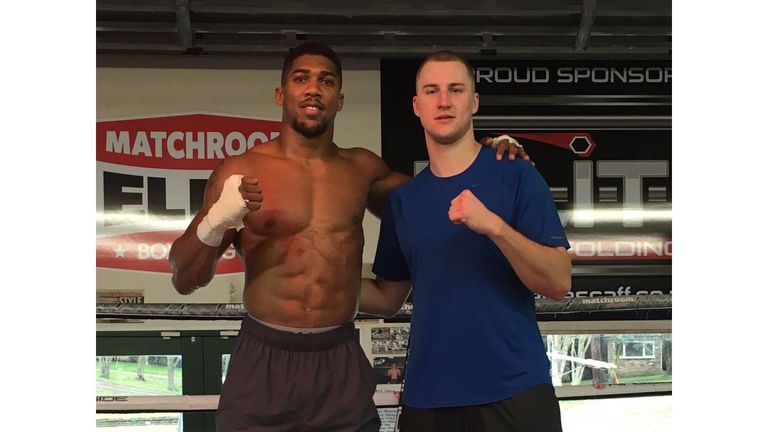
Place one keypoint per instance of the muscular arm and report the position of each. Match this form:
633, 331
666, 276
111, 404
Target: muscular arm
192, 261
380, 189
543, 269
383, 179
382, 296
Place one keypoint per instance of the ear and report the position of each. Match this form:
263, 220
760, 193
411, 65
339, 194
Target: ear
475, 102
279, 97
416, 109
341, 102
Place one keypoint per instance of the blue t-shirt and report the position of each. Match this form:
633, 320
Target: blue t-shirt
474, 337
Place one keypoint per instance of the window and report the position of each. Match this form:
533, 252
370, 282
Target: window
138, 375
597, 359
638, 350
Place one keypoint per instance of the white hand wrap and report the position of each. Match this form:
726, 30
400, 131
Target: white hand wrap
227, 212
507, 137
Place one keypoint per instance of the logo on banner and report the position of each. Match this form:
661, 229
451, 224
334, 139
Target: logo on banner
151, 176
592, 205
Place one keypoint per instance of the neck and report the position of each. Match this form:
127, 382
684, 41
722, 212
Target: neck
447, 160
297, 146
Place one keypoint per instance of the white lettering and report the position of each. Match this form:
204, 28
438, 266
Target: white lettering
172, 150
184, 145
622, 248
231, 138
503, 79
636, 75
484, 73
578, 248
618, 75
156, 251
625, 248
605, 75
654, 75
540, 75
215, 143
581, 72
158, 136
143, 251
141, 145
195, 145
117, 143
525, 79
260, 136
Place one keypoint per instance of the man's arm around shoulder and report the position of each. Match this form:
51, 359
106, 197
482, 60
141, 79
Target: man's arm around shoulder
384, 179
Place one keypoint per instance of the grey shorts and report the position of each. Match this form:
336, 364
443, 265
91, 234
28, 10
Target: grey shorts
280, 381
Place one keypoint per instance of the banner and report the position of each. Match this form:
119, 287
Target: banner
150, 181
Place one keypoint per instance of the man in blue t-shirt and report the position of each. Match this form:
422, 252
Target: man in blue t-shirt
475, 239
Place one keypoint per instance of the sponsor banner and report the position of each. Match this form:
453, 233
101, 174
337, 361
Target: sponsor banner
150, 180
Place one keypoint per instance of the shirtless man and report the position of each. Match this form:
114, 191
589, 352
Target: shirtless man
293, 208
394, 374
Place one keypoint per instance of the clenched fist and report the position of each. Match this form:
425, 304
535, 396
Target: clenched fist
467, 209
250, 190
238, 196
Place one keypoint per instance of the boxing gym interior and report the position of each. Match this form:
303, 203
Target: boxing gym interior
585, 86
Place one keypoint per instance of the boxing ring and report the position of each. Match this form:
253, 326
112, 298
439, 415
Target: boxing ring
607, 314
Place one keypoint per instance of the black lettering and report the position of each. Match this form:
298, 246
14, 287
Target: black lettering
130, 299
196, 195
115, 198
156, 200
111, 399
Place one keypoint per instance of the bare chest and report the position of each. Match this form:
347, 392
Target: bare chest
297, 197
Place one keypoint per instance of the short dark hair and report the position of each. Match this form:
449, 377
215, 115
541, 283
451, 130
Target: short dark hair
310, 48
446, 56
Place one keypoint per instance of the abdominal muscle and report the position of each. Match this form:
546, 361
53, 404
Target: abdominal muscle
309, 279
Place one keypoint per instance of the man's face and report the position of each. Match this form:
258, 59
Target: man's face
311, 95
445, 100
